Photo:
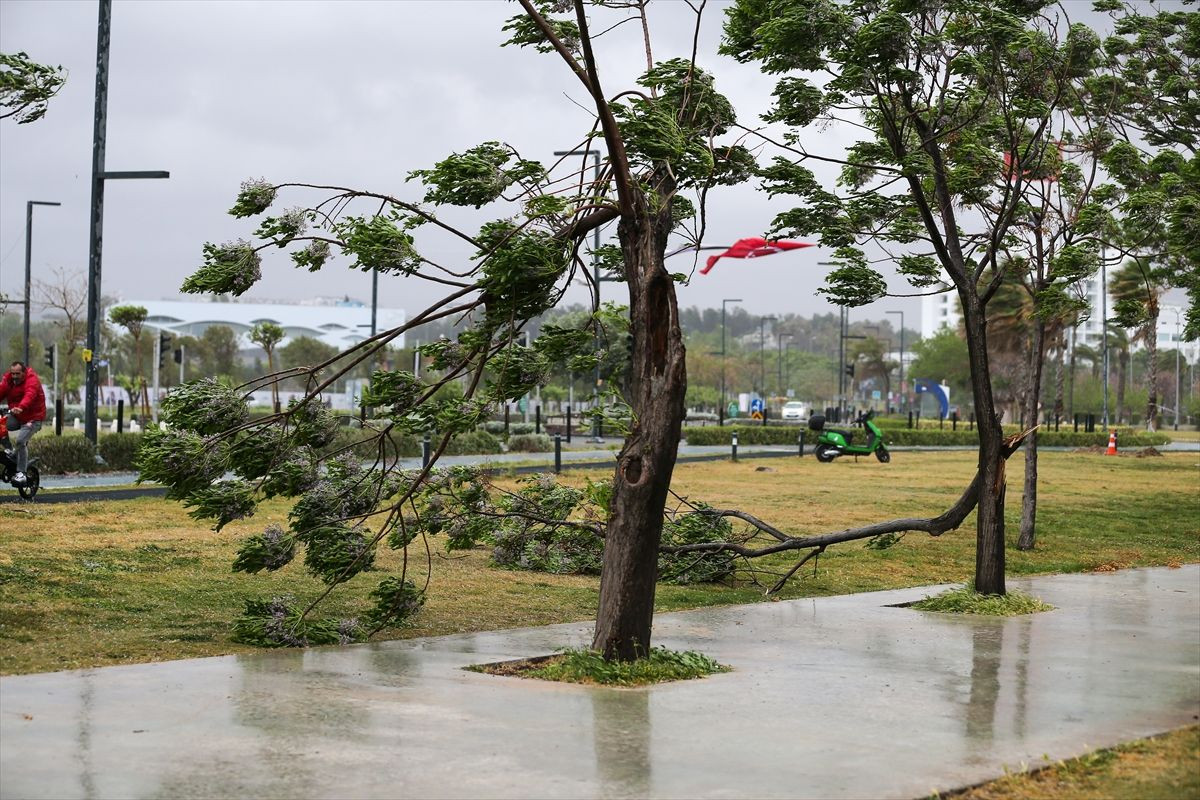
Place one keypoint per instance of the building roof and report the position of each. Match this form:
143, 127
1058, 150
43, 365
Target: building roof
339, 325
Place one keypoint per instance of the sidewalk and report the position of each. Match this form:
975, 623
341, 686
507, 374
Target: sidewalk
588, 456
829, 697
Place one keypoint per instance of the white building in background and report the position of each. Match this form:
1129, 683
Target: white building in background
942, 311
340, 323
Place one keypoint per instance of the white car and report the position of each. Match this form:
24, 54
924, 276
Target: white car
795, 409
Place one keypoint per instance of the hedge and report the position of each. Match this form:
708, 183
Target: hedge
60, 454
530, 443
119, 450
758, 434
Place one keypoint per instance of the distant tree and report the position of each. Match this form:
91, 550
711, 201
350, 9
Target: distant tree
1136, 291
64, 297
219, 349
941, 358
133, 318
307, 353
26, 87
267, 335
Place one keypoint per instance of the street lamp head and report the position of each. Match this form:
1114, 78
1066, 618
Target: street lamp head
44, 203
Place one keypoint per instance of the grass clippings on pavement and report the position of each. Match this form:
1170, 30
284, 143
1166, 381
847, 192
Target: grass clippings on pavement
580, 665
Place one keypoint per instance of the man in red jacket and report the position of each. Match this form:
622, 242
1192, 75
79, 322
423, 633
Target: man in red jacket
22, 391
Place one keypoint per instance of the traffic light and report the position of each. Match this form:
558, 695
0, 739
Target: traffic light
164, 344
178, 355
849, 370
49, 356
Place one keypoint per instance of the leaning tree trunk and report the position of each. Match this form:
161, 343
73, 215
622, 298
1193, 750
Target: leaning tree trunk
656, 387
1150, 334
989, 521
1029, 497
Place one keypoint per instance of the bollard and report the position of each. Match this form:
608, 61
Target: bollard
910, 420
537, 419
733, 444
941, 421
58, 416
800, 443
278, 407
721, 416
1076, 423
971, 423
568, 423
120, 416
557, 453
954, 421
764, 420
506, 409
425, 448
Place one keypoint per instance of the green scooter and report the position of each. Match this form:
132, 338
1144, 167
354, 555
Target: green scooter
832, 443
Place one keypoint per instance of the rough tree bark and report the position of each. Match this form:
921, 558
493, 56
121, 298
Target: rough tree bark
656, 390
1029, 495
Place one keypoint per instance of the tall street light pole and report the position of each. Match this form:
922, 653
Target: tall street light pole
1104, 319
595, 154
28, 260
724, 303
1178, 345
779, 360
903, 391
762, 359
99, 176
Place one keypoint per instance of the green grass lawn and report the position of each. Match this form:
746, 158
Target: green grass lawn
120, 582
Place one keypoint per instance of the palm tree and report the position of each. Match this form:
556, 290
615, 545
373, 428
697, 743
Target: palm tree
1136, 290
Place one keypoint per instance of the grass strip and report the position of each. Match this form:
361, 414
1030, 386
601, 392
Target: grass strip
580, 665
1163, 767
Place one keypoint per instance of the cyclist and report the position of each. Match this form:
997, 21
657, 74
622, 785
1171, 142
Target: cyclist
22, 391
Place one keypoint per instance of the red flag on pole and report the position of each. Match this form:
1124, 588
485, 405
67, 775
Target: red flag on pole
753, 248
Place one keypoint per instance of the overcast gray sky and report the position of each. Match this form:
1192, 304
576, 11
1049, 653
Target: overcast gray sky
348, 93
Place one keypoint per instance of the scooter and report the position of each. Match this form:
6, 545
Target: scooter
832, 442
8, 464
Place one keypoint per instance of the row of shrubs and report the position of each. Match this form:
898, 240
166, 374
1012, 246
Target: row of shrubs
757, 434
59, 454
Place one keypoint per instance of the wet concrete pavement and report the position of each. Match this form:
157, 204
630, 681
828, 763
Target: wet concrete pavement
829, 697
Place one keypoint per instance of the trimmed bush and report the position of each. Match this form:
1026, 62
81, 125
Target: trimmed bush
475, 442
519, 428
494, 427
530, 443
60, 454
119, 450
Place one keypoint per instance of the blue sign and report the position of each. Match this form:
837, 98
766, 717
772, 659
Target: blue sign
756, 405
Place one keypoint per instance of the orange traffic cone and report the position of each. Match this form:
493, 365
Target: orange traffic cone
1112, 444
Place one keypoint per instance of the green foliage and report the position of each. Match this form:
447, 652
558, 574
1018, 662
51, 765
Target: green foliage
335, 552
27, 86
529, 443
255, 197
277, 623
476, 177
269, 550
658, 666
473, 442
378, 243
524, 32
392, 391
266, 335
59, 454
396, 600
231, 268
222, 501
119, 450
695, 528
967, 601
204, 406
131, 318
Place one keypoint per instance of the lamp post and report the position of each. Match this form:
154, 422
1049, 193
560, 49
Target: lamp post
779, 359
903, 391
1178, 345
595, 154
762, 363
787, 373
28, 260
724, 303
1104, 319
99, 176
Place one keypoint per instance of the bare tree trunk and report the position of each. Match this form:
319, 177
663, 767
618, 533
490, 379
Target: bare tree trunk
1071, 379
656, 389
1029, 496
1151, 337
989, 526
1122, 379
1061, 346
